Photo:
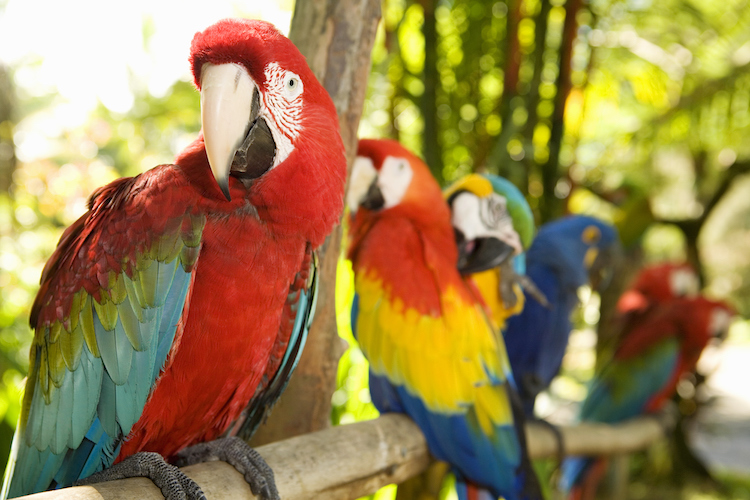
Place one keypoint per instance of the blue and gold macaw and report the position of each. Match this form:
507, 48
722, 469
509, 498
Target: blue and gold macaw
565, 255
493, 225
433, 354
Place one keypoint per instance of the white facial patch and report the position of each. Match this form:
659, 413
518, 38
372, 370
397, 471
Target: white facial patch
719, 322
684, 283
465, 215
394, 178
484, 217
363, 174
281, 106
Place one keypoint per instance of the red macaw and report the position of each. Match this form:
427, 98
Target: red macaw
180, 298
433, 353
659, 347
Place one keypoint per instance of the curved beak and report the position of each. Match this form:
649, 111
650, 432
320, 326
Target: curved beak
373, 199
602, 265
229, 111
481, 254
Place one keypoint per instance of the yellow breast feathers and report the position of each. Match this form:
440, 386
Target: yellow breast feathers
450, 359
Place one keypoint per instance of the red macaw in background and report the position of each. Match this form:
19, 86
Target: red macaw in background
170, 306
433, 353
655, 351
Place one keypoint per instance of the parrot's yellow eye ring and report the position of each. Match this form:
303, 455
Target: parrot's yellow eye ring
591, 235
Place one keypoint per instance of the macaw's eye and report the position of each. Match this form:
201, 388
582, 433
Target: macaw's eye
591, 235
493, 210
292, 86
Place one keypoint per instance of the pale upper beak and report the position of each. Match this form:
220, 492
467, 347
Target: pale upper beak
226, 110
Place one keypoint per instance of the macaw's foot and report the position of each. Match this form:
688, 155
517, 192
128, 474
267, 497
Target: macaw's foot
239, 454
172, 482
558, 438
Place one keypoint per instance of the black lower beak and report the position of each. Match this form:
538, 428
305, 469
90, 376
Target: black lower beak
374, 198
256, 154
481, 254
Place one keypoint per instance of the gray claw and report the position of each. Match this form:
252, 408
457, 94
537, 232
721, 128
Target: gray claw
172, 482
241, 456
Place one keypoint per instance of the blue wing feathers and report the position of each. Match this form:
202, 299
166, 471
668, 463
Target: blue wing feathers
556, 263
80, 431
168, 322
621, 391
116, 352
457, 438
62, 430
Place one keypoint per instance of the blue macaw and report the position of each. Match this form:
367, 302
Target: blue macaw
560, 260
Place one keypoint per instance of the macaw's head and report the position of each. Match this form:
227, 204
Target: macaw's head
491, 219
388, 180
658, 283
581, 248
263, 109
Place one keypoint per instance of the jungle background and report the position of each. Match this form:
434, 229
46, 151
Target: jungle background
635, 111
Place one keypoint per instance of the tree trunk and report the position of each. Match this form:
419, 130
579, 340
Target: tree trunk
532, 98
336, 37
431, 149
499, 160
549, 204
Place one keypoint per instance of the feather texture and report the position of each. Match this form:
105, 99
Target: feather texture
558, 263
433, 353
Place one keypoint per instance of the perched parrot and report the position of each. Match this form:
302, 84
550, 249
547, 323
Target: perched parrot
563, 256
181, 297
493, 225
652, 356
433, 354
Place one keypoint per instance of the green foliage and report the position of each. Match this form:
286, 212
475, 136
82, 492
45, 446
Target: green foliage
351, 401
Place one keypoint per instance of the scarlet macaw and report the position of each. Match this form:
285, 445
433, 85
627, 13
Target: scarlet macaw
180, 298
493, 225
653, 354
564, 254
433, 354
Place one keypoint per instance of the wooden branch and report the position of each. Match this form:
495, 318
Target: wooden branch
350, 461
598, 439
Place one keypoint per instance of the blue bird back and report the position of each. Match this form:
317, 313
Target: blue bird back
557, 262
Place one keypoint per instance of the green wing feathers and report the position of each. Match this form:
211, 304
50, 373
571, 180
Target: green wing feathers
101, 308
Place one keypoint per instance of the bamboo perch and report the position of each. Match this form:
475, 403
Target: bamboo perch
350, 461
